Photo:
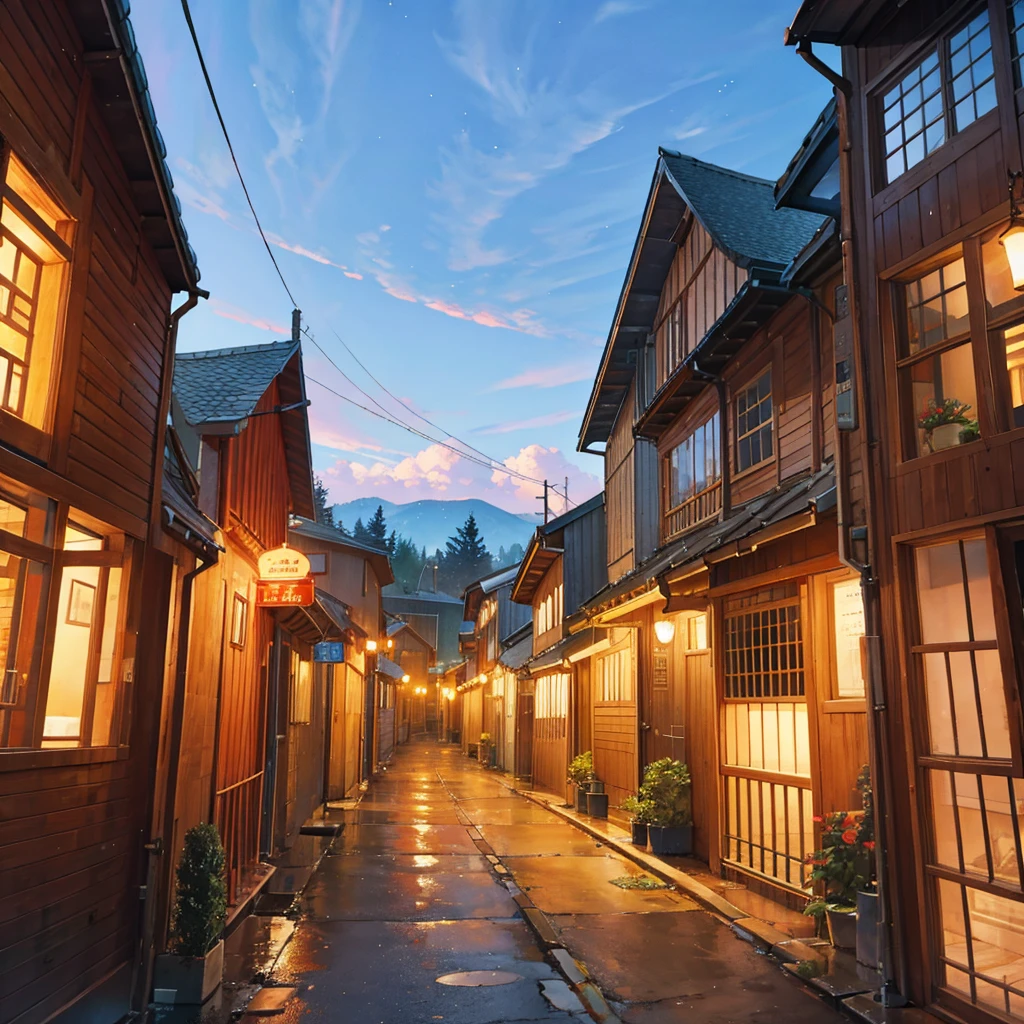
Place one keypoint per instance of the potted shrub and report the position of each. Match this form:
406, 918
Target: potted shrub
842, 868
639, 812
194, 966
484, 749
597, 800
867, 897
580, 773
666, 787
944, 422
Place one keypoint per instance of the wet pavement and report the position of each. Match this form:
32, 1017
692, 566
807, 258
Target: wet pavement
413, 890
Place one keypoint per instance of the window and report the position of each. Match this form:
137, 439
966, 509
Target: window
697, 633
301, 678
1015, 17
693, 478
552, 696
947, 91
616, 676
64, 585
754, 423
936, 364
764, 655
239, 620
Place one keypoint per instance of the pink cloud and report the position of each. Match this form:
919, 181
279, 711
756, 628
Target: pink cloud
242, 317
546, 377
353, 275
301, 250
547, 420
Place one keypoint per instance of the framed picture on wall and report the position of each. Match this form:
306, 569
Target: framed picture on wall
81, 599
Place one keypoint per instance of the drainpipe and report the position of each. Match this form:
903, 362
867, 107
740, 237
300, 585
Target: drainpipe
892, 951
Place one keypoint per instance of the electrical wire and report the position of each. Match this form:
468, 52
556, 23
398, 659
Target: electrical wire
231, 149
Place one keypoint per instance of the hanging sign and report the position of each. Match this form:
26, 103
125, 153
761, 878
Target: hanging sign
284, 593
283, 563
331, 651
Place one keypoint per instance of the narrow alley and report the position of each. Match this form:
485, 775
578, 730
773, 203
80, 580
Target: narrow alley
422, 885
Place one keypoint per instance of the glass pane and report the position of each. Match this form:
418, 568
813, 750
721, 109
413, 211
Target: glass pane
998, 280
1013, 338
945, 850
105, 710
1003, 813
848, 615
940, 594
940, 719
993, 704
943, 396
979, 586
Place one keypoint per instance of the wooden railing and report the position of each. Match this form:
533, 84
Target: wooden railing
694, 510
237, 812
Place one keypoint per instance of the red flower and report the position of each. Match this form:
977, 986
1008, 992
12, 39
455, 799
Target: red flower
818, 818
849, 837
849, 821
869, 844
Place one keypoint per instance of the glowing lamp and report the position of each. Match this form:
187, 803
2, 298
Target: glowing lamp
664, 630
391, 643
371, 646
1013, 243
405, 678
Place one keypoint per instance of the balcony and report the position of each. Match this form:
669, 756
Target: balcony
703, 505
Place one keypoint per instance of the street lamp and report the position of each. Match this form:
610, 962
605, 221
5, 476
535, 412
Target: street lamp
371, 646
405, 678
664, 630
1012, 238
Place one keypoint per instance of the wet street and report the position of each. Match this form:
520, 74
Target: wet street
422, 885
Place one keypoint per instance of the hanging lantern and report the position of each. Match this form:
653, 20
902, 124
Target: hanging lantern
664, 630
1012, 239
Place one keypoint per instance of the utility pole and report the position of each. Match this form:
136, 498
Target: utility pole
545, 500
296, 324
565, 494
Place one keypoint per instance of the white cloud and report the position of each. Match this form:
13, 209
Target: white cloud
549, 419
617, 8
546, 377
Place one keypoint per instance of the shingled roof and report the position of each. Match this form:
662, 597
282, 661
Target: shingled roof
219, 389
738, 211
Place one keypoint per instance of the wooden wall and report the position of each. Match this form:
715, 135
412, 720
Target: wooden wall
615, 725
585, 543
619, 476
546, 588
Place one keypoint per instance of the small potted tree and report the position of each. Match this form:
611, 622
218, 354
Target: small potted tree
944, 423
666, 787
842, 868
580, 773
484, 749
639, 811
194, 966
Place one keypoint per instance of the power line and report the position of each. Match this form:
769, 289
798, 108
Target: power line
231, 149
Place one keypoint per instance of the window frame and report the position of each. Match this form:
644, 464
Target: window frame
752, 382
239, 601
694, 500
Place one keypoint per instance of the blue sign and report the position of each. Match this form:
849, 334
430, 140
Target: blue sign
332, 651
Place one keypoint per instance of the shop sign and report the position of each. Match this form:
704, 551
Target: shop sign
283, 563
332, 651
284, 593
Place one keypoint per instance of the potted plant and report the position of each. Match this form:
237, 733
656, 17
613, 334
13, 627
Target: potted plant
597, 800
484, 749
666, 788
639, 812
580, 773
943, 422
193, 968
867, 896
842, 868
970, 431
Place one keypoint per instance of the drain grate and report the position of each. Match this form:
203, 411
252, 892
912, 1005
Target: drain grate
478, 979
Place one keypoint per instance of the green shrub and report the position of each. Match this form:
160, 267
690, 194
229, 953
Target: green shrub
200, 899
666, 788
638, 809
581, 768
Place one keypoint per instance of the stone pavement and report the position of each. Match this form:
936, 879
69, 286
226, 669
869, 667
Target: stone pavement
442, 869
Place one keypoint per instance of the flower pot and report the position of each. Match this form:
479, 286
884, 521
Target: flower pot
594, 786
842, 928
597, 805
581, 800
483, 754
639, 830
671, 840
188, 980
945, 436
867, 929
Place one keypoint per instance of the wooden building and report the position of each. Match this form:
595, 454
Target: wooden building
435, 616
241, 417
930, 106
514, 748
564, 565
490, 618
417, 697
92, 249
734, 647
356, 575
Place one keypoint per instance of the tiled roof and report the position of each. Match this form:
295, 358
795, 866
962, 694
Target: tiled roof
225, 385
517, 655
739, 212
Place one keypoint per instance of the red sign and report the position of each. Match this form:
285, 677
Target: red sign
284, 593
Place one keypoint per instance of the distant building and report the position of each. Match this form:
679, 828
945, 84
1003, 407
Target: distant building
436, 617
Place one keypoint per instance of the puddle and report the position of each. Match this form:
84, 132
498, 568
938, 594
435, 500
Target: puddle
477, 979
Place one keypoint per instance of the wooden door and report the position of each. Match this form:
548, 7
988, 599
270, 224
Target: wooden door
582, 711
550, 732
615, 721
353, 727
336, 744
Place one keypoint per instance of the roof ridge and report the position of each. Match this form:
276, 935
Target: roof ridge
212, 353
675, 154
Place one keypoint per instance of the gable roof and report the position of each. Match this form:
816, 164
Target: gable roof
377, 557
123, 100
218, 390
738, 211
836, 21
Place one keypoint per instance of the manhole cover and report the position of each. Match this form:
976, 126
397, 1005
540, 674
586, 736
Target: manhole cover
475, 979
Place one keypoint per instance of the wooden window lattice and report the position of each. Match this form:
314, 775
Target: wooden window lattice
764, 653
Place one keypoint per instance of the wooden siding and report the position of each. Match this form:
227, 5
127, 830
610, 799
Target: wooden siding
620, 497
546, 588
615, 725
586, 563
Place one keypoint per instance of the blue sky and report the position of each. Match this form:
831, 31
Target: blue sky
454, 189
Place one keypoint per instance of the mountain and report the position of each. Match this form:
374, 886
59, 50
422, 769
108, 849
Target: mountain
430, 522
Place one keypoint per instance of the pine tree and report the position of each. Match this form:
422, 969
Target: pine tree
321, 499
407, 564
515, 554
360, 532
392, 543
466, 557
377, 528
